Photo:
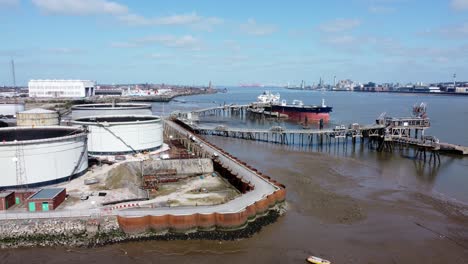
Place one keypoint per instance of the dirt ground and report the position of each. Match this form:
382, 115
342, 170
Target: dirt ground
193, 191
121, 182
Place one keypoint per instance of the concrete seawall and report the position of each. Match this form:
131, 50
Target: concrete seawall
70, 232
183, 166
199, 221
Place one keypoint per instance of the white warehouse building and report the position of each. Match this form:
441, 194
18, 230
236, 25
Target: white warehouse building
61, 88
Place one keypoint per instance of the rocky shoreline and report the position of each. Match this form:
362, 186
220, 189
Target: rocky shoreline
73, 232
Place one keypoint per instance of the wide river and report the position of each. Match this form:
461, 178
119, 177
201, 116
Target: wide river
347, 204
449, 123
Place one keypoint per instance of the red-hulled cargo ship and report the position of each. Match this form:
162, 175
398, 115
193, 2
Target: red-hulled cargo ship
297, 110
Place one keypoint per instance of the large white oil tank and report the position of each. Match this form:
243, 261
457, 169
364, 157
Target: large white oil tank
86, 110
116, 135
10, 110
32, 157
37, 117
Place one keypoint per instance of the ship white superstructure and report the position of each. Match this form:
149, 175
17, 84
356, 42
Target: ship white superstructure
268, 97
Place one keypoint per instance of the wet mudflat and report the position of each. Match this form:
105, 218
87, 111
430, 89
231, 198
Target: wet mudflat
346, 205
338, 208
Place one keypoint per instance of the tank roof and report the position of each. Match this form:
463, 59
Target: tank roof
38, 111
110, 106
117, 119
16, 135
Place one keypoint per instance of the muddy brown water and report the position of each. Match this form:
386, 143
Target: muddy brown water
333, 212
348, 206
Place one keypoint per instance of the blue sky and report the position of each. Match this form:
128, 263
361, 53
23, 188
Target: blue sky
233, 42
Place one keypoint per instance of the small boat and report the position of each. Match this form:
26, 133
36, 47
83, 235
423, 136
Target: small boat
317, 260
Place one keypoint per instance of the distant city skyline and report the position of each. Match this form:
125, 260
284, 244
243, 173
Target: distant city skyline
230, 43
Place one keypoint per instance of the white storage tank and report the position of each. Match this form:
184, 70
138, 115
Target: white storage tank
10, 110
86, 110
32, 157
37, 117
126, 134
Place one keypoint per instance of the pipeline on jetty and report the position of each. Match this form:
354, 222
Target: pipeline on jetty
384, 135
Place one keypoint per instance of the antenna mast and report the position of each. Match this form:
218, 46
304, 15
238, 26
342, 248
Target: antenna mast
13, 72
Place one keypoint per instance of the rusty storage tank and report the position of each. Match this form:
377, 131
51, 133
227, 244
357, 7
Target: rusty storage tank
37, 117
126, 134
31, 157
86, 110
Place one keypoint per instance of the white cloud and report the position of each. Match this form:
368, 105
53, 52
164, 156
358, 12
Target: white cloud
341, 40
80, 7
191, 19
394, 48
137, 20
232, 45
339, 25
345, 43
381, 9
252, 28
236, 58
208, 23
185, 42
455, 31
159, 56
459, 5
64, 50
123, 45
122, 13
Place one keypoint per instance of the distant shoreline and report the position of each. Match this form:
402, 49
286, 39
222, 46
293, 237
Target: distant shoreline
104, 99
392, 92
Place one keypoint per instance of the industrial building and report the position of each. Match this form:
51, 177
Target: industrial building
116, 135
7, 200
37, 117
46, 199
61, 88
39, 156
461, 89
86, 110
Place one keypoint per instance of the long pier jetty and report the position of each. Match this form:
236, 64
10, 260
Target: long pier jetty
384, 134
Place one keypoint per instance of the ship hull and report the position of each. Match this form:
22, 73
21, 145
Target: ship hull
304, 114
